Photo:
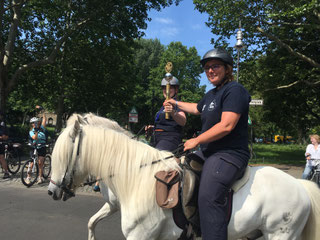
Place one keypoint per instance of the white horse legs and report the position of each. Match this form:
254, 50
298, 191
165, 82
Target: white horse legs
106, 210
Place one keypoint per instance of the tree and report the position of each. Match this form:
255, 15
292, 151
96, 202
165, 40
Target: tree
294, 27
39, 29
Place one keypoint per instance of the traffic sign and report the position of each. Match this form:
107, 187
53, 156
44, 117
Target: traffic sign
256, 102
133, 115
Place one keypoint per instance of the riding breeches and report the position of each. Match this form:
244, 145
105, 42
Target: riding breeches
219, 172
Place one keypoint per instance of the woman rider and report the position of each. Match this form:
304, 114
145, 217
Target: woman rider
223, 140
168, 132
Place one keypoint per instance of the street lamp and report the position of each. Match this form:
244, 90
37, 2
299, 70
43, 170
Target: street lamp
239, 45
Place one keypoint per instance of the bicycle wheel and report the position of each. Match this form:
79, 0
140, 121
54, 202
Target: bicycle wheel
14, 161
46, 166
29, 173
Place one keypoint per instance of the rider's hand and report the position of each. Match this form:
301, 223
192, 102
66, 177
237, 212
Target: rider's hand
148, 127
170, 101
190, 144
38, 107
168, 108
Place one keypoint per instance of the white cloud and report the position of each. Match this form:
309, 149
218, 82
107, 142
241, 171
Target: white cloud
196, 26
169, 32
164, 20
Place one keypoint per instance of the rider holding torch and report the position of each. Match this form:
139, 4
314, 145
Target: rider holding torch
169, 120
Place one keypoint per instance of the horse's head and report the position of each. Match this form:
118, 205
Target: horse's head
66, 174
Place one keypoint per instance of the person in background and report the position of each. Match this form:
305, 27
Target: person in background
3, 137
223, 140
96, 187
37, 134
312, 152
168, 132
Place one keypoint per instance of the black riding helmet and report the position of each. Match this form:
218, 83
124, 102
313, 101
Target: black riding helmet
219, 54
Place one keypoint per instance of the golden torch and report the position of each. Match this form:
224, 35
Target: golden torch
168, 77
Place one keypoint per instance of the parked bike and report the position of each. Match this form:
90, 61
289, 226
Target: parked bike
30, 169
12, 156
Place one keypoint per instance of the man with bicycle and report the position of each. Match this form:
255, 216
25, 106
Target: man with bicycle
3, 138
37, 134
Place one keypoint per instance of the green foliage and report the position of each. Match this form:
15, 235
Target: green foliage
279, 154
89, 42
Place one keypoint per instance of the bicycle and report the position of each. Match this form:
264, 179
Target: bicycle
30, 169
12, 157
315, 173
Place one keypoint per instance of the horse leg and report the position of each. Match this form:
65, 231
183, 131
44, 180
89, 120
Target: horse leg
106, 210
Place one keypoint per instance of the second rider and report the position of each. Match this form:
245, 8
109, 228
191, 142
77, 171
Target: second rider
168, 132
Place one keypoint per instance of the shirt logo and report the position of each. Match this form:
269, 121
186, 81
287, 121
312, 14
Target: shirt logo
204, 106
212, 105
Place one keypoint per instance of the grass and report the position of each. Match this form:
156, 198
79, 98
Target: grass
290, 154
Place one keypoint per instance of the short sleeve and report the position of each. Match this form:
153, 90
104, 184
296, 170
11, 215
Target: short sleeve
236, 100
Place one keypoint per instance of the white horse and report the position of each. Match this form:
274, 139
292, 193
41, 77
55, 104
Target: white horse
275, 203
111, 206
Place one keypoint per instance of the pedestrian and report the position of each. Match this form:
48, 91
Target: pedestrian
168, 132
312, 152
223, 140
3, 138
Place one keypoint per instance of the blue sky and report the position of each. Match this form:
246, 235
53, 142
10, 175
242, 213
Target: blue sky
184, 24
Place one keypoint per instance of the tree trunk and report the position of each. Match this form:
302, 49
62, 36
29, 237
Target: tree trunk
59, 112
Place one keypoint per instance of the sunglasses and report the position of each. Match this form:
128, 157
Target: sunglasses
214, 67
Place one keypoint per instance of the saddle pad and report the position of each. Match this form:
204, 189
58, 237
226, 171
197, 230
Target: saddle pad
242, 181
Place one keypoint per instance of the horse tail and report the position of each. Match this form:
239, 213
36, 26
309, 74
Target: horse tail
311, 230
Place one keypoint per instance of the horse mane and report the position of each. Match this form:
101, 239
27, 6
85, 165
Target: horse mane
93, 119
125, 165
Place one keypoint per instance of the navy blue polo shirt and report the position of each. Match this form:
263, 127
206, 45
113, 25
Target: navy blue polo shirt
168, 125
231, 97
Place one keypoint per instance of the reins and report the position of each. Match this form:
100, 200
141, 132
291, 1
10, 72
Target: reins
176, 153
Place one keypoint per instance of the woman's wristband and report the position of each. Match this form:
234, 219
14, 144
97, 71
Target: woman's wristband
176, 107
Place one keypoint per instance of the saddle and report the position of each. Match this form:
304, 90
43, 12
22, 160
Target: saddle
179, 191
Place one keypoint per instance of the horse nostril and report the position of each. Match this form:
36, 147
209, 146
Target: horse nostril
49, 192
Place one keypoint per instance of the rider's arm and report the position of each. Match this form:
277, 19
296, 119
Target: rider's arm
184, 106
35, 135
228, 122
3, 137
44, 120
178, 116
308, 151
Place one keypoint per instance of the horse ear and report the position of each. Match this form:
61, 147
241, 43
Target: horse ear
75, 130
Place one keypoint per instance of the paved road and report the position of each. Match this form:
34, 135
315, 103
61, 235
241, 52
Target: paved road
29, 213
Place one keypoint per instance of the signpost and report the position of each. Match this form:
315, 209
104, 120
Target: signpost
256, 102
133, 115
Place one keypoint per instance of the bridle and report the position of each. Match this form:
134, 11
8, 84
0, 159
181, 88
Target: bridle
65, 185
